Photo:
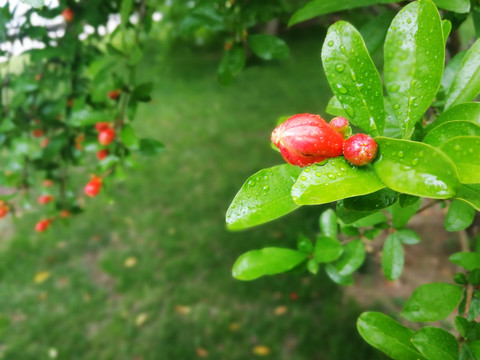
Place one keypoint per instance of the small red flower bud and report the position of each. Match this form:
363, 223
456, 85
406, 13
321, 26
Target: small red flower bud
306, 139
360, 149
100, 126
114, 94
42, 225
293, 296
67, 14
102, 154
64, 214
47, 182
45, 142
37, 133
105, 137
3, 210
44, 199
93, 187
339, 124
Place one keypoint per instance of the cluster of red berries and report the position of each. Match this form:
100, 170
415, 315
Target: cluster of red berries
306, 139
106, 135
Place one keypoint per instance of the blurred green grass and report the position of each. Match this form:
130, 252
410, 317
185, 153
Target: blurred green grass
148, 274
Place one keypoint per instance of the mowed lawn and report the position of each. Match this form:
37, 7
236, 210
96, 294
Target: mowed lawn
145, 272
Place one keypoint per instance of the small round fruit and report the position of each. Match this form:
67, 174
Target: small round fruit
360, 149
339, 124
44, 199
102, 154
64, 214
37, 133
93, 187
114, 94
42, 225
67, 14
3, 211
100, 126
105, 137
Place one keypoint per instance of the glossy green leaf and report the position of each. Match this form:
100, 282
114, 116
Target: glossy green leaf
265, 196
268, 47
470, 194
405, 200
125, 10
392, 257
432, 302
352, 258
413, 66
462, 325
232, 63
371, 220
334, 180
268, 261
466, 111
313, 266
304, 244
474, 276
328, 223
450, 129
475, 348
335, 108
350, 216
86, 116
459, 216
449, 74
375, 30
474, 310
415, 168
143, 92
327, 249
321, 7
333, 274
401, 215
464, 150
353, 77
129, 137
466, 83
436, 344
388, 336
468, 260
408, 236
446, 29
458, 6
151, 147
378, 200
34, 3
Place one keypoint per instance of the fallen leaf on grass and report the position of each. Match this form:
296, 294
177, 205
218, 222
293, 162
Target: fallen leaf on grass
183, 310
281, 310
234, 326
261, 350
41, 276
130, 262
201, 352
140, 319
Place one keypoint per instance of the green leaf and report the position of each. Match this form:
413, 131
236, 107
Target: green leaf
474, 276
401, 215
321, 7
313, 266
350, 216
353, 77
458, 6
474, 310
351, 259
450, 129
408, 236
328, 223
459, 216
125, 10
327, 249
449, 73
432, 302
85, 117
143, 92
466, 111
470, 194
466, 83
334, 180
265, 196
371, 220
268, 47
333, 274
34, 3
129, 138
231, 65
378, 200
392, 257
462, 325
388, 336
405, 200
464, 150
415, 168
468, 260
446, 29
392, 127
475, 348
304, 244
268, 261
375, 30
413, 67
335, 108
436, 344
151, 147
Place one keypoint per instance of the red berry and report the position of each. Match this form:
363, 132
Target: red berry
360, 149
3, 211
100, 126
293, 296
47, 183
93, 187
44, 199
102, 154
67, 14
42, 225
37, 132
64, 214
339, 124
306, 139
114, 94
105, 137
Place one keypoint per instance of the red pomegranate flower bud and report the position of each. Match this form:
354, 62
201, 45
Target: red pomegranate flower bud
100, 126
64, 214
44, 199
42, 225
339, 124
93, 187
37, 133
102, 154
3, 210
114, 94
105, 137
45, 142
360, 149
47, 182
67, 14
306, 139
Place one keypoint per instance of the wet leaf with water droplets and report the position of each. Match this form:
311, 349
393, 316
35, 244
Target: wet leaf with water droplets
336, 179
432, 174
466, 112
413, 67
436, 343
470, 194
464, 151
353, 77
450, 129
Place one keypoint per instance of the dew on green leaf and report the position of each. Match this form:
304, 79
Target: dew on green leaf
400, 154
341, 89
303, 178
415, 162
330, 43
340, 67
318, 174
251, 183
266, 188
331, 176
307, 170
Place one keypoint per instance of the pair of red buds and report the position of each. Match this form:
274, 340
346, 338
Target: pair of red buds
306, 139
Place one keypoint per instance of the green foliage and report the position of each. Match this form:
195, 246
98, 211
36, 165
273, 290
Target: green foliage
392, 257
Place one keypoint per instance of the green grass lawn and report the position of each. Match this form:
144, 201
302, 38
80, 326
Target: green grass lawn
148, 275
